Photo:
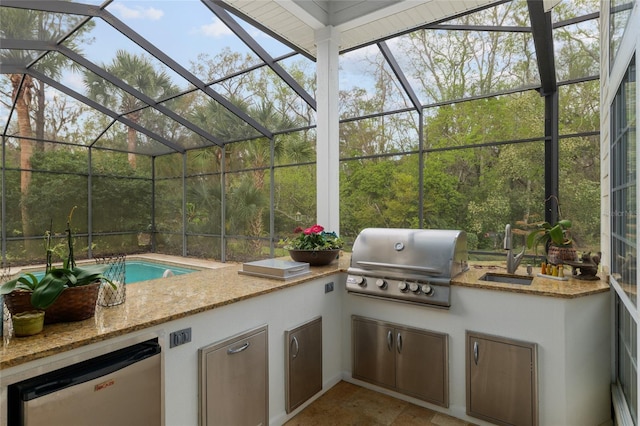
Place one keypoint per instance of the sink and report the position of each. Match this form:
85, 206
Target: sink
506, 279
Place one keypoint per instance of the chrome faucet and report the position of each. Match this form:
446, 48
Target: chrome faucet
512, 260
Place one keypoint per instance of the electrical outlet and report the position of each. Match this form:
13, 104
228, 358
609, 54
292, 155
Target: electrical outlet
328, 287
180, 337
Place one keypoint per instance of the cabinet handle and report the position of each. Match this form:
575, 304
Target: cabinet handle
399, 343
294, 354
476, 351
232, 351
389, 339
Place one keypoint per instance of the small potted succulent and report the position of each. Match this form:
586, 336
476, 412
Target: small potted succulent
66, 293
314, 245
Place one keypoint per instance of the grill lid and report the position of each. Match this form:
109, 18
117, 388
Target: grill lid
434, 254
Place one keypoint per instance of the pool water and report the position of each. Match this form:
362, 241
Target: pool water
140, 270
137, 270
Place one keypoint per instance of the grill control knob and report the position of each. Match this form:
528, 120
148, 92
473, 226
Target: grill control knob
403, 286
414, 287
427, 290
382, 284
357, 280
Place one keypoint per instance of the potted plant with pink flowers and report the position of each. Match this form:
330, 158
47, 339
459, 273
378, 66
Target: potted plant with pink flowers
314, 245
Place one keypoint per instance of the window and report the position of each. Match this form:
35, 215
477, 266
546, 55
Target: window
624, 186
619, 13
624, 238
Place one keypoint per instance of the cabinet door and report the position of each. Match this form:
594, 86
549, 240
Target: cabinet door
304, 363
234, 384
501, 380
422, 365
373, 352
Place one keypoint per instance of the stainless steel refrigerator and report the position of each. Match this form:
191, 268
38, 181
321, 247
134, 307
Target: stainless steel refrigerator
119, 388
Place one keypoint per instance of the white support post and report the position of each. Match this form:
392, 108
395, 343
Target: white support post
327, 144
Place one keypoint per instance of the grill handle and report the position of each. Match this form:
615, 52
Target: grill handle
422, 269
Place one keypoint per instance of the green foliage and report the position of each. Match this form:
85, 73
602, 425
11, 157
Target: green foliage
59, 192
204, 204
121, 200
47, 290
365, 194
295, 197
470, 178
444, 183
546, 234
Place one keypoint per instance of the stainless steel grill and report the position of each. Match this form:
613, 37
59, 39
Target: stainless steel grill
407, 265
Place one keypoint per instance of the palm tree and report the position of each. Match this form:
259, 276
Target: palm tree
246, 193
137, 71
23, 96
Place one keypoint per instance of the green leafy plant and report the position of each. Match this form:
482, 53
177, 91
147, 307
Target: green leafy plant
547, 234
313, 238
55, 280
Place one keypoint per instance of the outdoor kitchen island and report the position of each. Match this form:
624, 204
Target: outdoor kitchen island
569, 321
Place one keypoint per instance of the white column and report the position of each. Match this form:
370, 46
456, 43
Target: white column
327, 144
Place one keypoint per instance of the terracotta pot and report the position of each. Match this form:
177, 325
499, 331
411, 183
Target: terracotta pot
315, 257
559, 255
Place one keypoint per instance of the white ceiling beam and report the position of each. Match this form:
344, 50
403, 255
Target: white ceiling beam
381, 13
302, 14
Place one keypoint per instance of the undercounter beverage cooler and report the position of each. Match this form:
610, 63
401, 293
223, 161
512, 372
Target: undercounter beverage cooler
122, 387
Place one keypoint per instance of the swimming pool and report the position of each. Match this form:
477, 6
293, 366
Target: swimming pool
142, 270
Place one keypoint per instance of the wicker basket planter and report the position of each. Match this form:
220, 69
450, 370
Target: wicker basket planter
560, 255
73, 304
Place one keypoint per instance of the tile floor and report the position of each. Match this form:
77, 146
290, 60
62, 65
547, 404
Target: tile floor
347, 404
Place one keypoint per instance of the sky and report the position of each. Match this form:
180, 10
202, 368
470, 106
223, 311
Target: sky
188, 28
183, 29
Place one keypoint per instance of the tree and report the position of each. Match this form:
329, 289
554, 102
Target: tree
29, 24
472, 179
262, 96
137, 71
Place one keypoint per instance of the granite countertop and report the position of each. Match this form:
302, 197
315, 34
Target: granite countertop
541, 286
151, 303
